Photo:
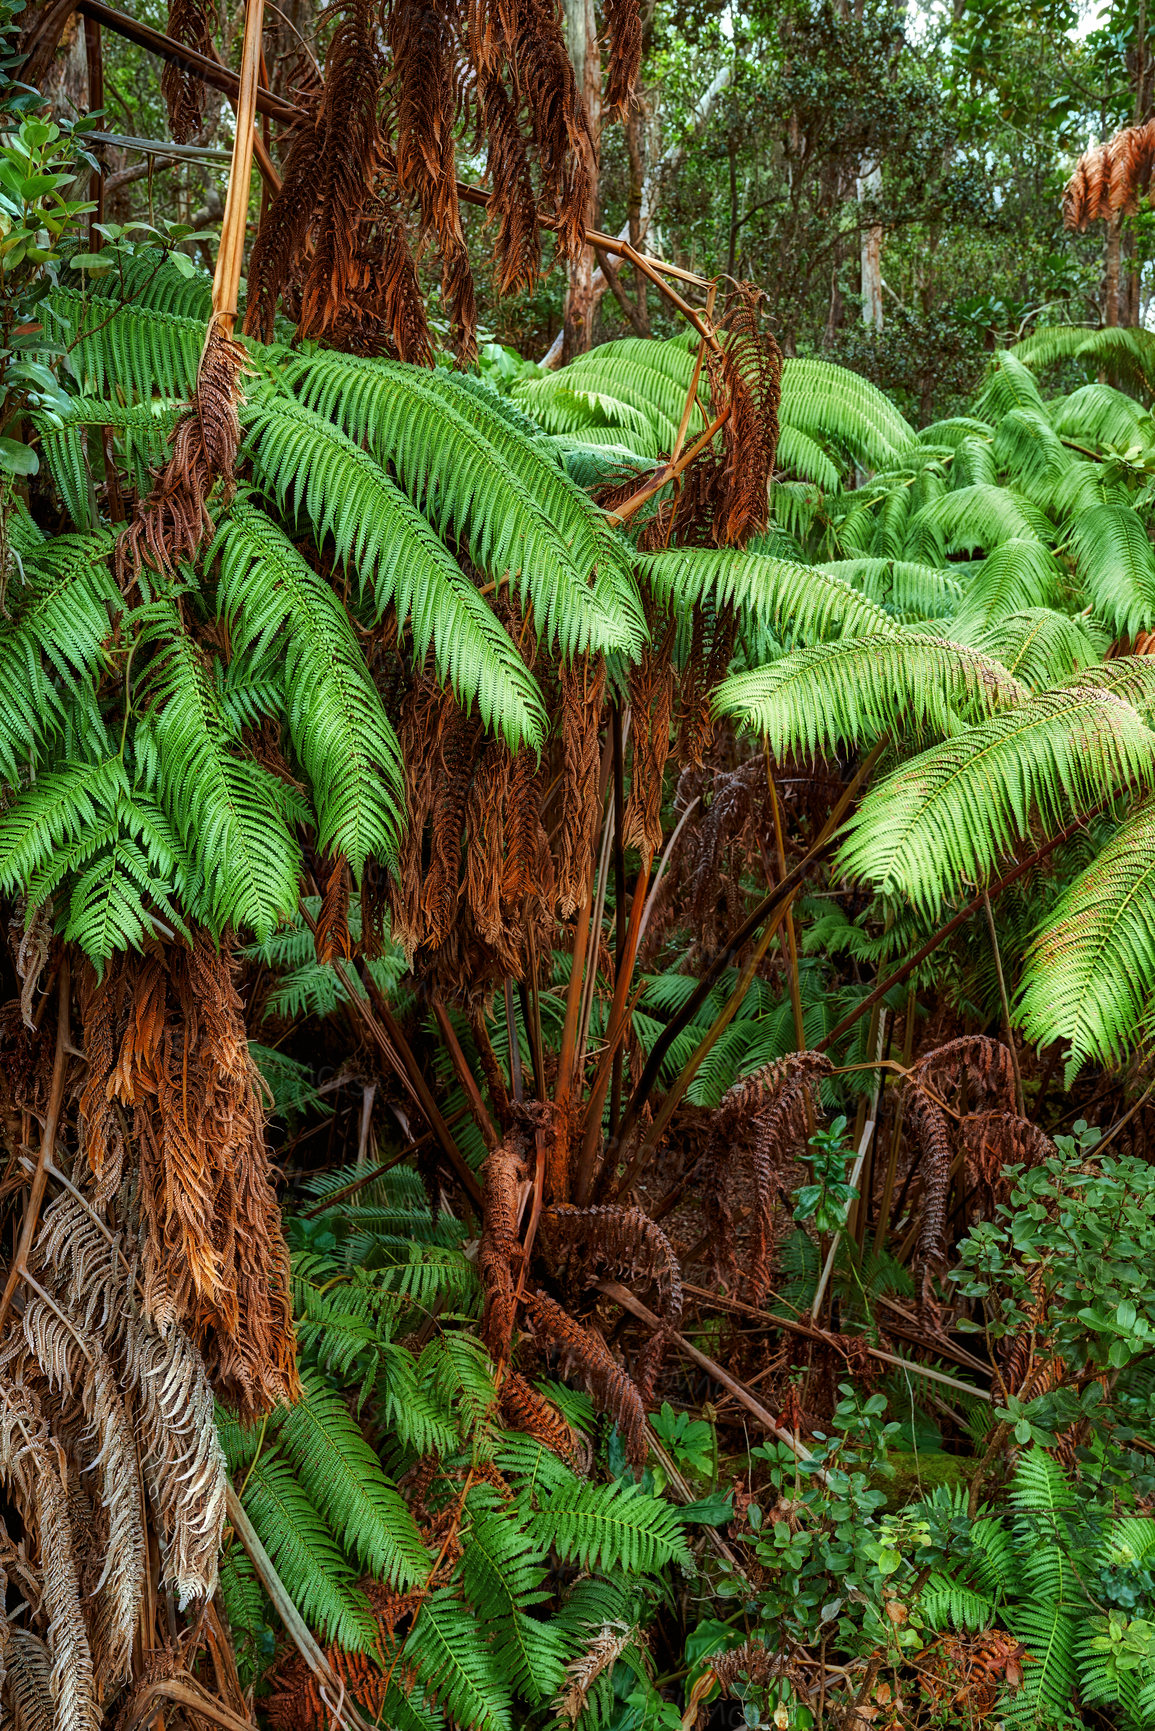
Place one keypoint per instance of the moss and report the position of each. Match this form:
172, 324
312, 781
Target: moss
918, 1475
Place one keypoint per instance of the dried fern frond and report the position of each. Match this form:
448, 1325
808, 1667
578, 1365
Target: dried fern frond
612, 1391
583, 1671
1109, 179
189, 22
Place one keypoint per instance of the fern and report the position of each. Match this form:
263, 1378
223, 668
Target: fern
1019, 574
246, 1610
946, 1605
811, 602
858, 690
949, 816
1089, 974
456, 1666
610, 1527
503, 1572
337, 724
1038, 645
132, 348
1116, 562
1009, 386
312, 467
342, 1478
1048, 1633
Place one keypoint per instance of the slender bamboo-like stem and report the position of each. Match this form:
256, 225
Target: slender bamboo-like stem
619, 894
47, 1144
465, 1075
226, 282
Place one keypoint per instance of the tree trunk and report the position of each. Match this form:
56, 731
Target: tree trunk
581, 302
869, 190
1111, 264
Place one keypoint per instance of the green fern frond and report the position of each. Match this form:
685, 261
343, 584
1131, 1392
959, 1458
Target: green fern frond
976, 519
1088, 975
830, 403
612, 1527
804, 457
128, 349
470, 473
1098, 414
338, 727
1009, 385
52, 643
141, 429
108, 909
1129, 1542
503, 1572
947, 1605
1040, 646
246, 1609
57, 809
807, 601
456, 1665
312, 467
147, 276
947, 818
1048, 1633
1027, 447
1116, 562
342, 1477
863, 687
229, 812
1016, 575
954, 430
1042, 1497
1126, 357
306, 1556
974, 465
911, 589
995, 1560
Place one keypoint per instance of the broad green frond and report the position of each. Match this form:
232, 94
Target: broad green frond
1048, 1633
456, 1665
996, 1559
107, 911
953, 431
1098, 414
472, 474
804, 599
1128, 1542
946, 1605
503, 1572
131, 348
1116, 562
228, 810
58, 808
339, 729
59, 609
1089, 974
147, 277
1126, 357
859, 689
312, 467
945, 820
306, 1556
921, 591
614, 1527
646, 378
141, 429
830, 403
1016, 575
1009, 385
1039, 645
804, 456
343, 1479
1027, 447
978, 518
974, 465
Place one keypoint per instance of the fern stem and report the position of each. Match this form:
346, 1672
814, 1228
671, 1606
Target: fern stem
1020, 1105
618, 743
47, 1142
465, 1075
619, 1021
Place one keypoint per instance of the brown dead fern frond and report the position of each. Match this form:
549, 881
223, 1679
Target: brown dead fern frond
612, 1391
583, 1671
582, 691
190, 22
624, 53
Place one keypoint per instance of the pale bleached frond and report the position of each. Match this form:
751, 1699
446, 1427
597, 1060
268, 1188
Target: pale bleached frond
945, 821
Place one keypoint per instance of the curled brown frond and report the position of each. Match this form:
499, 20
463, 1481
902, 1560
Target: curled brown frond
1110, 179
332, 935
499, 1254
651, 710
582, 689
624, 41
189, 22
523, 1408
612, 1391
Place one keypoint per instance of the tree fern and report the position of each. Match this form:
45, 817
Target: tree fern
457, 1666
1040, 646
946, 819
1098, 414
503, 1572
975, 519
128, 349
519, 515
910, 589
305, 1554
804, 457
1016, 575
859, 689
338, 727
828, 402
1009, 386
141, 430
231, 814
1126, 357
